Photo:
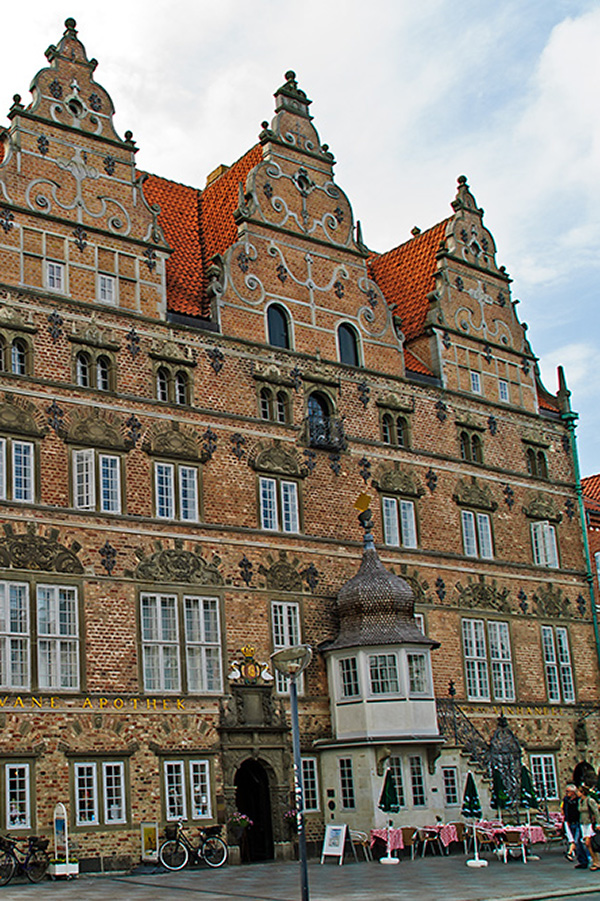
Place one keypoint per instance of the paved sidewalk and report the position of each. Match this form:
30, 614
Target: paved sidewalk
431, 879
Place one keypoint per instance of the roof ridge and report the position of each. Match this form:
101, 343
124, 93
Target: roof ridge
171, 181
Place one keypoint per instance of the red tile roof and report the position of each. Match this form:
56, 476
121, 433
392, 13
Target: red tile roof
414, 365
591, 487
197, 225
405, 275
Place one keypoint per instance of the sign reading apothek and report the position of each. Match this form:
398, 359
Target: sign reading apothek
126, 705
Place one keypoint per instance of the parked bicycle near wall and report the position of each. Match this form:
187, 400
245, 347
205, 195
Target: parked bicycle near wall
178, 850
32, 860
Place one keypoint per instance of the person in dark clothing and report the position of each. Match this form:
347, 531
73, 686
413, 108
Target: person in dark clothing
570, 810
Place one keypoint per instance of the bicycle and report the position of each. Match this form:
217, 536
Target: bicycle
177, 850
33, 862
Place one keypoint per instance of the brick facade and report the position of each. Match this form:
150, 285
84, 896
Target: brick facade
151, 414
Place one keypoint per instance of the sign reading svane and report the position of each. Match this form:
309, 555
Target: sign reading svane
140, 705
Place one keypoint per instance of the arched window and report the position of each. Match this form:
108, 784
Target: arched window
531, 461
278, 326
387, 428
401, 432
2, 355
181, 388
348, 345
281, 407
103, 374
319, 420
82, 366
465, 446
19, 357
542, 466
266, 403
476, 449
162, 384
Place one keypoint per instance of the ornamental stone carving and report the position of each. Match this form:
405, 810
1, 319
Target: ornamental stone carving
487, 595
175, 441
392, 400
275, 457
469, 493
172, 352
281, 575
540, 506
550, 601
18, 417
97, 430
36, 552
93, 336
398, 480
177, 565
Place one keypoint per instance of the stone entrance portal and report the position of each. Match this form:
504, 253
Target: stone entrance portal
252, 797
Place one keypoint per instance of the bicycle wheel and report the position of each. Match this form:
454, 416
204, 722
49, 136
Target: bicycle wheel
173, 855
215, 851
7, 867
37, 866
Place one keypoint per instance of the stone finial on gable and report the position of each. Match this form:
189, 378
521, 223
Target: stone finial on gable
464, 200
290, 97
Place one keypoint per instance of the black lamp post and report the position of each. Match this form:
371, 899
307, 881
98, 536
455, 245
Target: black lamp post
452, 693
292, 662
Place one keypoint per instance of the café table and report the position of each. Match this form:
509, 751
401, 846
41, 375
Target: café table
396, 842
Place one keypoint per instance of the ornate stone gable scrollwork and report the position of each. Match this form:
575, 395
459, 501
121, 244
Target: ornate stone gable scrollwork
275, 457
36, 552
540, 506
19, 417
550, 601
97, 429
177, 565
281, 575
472, 494
487, 595
175, 441
398, 480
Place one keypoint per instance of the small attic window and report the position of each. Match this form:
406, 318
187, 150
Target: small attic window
76, 107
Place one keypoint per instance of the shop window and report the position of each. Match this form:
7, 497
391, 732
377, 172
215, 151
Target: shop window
187, 789
18, 791
99, 791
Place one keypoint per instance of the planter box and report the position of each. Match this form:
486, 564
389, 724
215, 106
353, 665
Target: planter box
63, 869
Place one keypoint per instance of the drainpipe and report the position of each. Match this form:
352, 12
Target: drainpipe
569, 417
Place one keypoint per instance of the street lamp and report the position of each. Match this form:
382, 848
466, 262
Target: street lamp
292, 662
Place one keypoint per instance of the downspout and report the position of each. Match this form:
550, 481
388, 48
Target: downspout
569, 417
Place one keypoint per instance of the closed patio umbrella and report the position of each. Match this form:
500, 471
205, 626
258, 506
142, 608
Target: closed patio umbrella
499, 798
389, 803
471, 809
528, 797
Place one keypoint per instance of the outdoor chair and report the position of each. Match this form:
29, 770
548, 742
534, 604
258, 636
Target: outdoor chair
430, 837
361, 840
513, 843
462, 834
409, 839
485, 840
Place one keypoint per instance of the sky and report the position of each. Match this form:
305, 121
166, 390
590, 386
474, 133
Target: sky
408, 96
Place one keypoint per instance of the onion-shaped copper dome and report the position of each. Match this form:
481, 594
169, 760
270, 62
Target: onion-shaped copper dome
375, 606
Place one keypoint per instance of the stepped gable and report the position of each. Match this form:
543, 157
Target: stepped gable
197, 225
375, 606
406, 276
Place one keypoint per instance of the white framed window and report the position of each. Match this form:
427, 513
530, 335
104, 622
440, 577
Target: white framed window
450, 779
183, 503
310, 783
419, 682
174, 657
18, 357
383, 674
501, 661
543, 771
23, 485
55, 276
395, 765
545, 551
476, 669
279, 505
399, 523
203, 644
349, 679
417, 781
86, 794
113, 790
187, 788
503, 391
91, 469
420, 622
557, 664
347, 794
160, 642
58, 637
14, 635
285, 619
475, 382
17, 793
107, 288
477, 535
